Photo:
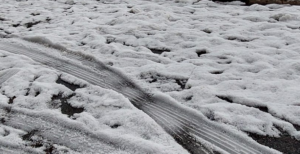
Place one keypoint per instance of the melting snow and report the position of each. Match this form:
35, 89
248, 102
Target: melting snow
239, 65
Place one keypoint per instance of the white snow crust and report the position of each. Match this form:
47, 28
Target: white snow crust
249, 55
108, 116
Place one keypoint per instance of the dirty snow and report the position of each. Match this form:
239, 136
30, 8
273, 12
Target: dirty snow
238, 65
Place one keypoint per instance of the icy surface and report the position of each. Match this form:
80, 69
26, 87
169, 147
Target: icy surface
239, 65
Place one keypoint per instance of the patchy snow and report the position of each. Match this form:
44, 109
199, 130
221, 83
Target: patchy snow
28, 104
239, 65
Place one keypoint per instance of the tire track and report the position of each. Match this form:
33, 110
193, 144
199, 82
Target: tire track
7, 74
69, 133
9, 148
217, 141
182, 123
199, 132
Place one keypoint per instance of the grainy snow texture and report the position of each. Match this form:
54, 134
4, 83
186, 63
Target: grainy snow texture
238, 65
46, 111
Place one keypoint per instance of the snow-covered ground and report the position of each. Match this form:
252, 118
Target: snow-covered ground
238, 65
35, 117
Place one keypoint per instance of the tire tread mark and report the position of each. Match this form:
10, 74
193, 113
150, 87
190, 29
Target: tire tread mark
138, 97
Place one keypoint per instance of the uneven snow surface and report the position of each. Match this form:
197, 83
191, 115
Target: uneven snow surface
238, 65
32, 101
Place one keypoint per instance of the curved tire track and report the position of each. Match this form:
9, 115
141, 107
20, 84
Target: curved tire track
189, 128
7, 74
70, 134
